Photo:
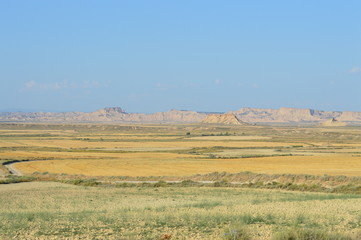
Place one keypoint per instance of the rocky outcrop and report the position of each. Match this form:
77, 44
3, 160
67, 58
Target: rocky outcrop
333, 123
247, 115
284, 115
229, 119
350, 116
175, 116
106, 115
103, 115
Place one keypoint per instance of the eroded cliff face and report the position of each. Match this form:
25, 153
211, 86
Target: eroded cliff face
333, 123
229, 119
106, 115
248, 115
285, 115
170, 116
350, 116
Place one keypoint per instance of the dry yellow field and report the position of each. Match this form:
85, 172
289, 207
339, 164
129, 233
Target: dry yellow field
230, 138
145, 144
169, 151
145, 164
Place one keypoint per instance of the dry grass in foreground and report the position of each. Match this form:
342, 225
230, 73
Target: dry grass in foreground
60, 211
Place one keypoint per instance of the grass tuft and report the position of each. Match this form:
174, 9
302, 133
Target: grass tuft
237, 233
309, 234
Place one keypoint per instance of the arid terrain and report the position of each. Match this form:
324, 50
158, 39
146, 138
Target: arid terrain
248, 115
181, 150
180, 120
183, 181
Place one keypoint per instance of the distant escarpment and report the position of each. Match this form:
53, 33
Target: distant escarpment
293, 115
242, 116
115, 114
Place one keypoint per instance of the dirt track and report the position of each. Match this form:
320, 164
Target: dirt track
13, 170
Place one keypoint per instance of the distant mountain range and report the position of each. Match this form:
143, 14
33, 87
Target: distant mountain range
248, 115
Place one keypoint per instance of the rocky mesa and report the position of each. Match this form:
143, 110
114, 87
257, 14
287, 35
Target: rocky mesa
289, 115
244, 115
114, 114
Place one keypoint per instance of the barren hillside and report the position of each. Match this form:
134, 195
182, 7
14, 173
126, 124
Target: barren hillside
245, 115
229, 119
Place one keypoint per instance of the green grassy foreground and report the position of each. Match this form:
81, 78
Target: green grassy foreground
44, 210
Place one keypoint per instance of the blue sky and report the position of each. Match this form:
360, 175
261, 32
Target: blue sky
149, 56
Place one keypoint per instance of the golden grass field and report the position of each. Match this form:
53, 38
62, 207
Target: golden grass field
159, 150
167, 164
280, 157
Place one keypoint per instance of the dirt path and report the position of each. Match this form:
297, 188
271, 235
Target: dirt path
205, 182
12, 169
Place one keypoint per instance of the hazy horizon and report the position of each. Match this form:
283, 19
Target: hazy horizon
153, 56
130, 111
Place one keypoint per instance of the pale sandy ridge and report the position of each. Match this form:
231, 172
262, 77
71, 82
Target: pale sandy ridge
229, 119
333, 123
248, 115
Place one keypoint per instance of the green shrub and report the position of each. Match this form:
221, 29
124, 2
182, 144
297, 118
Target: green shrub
83, 182
160, 184
125, 184
188, 183
17, 179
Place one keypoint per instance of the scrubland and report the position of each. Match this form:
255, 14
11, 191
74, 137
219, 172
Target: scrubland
275, 158
42, 210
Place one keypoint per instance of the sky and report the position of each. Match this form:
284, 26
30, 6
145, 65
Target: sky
150, 56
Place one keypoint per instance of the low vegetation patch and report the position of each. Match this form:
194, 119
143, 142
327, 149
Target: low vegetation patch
159, 182
237, 233
304, 183
48, 210
310, 234
17, 179
83, 182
